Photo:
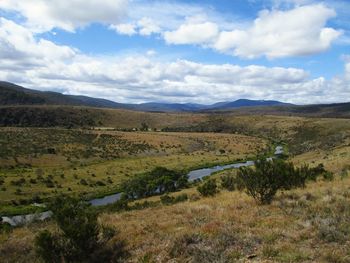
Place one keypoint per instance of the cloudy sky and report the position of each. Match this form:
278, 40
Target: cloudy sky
201, 51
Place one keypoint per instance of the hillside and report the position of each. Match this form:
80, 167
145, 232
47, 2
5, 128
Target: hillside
11, 94
335, 110
304, 225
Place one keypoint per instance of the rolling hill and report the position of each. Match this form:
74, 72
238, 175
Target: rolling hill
11, 94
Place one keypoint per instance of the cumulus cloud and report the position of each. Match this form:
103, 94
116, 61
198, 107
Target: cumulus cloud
19, 47
198, 33
124, 29
297, 32
145, 27
44, 15
40, 64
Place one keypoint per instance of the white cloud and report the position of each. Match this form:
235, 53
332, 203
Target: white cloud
148, 26
275, 33
198, 33
20, 47
297, 32
145, 27
41, 64
124, 29
44, 15
151, 52
168, 16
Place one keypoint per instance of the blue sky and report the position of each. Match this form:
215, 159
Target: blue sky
179, 51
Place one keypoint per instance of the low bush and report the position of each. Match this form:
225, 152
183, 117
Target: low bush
169, 200
228, 182
80, 237
270, 176
208, 188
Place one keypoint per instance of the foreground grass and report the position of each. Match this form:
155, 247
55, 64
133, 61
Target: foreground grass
304, 225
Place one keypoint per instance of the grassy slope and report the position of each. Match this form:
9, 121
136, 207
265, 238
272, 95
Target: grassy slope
304, 225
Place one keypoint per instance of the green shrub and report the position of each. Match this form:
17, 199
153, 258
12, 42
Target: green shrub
269, 176
80, 238
228, 182
168, 200
158, 181
208, 188
328, 176
83, 182
47, 246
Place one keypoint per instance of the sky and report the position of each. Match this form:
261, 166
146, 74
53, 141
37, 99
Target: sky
177, 51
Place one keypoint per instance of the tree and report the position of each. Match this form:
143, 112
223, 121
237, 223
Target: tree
80, 238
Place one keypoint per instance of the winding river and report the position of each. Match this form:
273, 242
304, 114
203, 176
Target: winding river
109, 199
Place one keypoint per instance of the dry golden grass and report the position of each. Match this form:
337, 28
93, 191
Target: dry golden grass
230, 227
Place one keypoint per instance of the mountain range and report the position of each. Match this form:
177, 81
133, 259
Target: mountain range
12, 94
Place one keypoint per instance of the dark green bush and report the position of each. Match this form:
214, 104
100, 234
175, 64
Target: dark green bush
328, 176
269, 176
80, 238
169, 200
18, 182
228, 182
208, 188
83, 182
160, 180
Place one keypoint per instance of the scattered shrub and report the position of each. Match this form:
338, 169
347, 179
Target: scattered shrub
80, 239
18, 182
32, 181
100, 183
83, 182
328, 176
228, 182
208, 188
269, 176
169, 200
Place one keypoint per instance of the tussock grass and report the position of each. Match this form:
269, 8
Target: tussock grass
303, 225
